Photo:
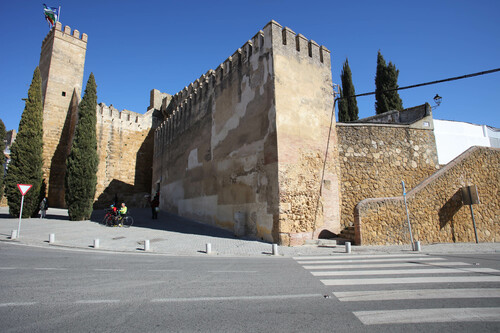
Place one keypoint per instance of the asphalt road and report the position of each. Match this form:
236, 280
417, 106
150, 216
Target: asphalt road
57, 290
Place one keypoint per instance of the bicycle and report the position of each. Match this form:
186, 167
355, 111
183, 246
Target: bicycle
109, 218
127, 221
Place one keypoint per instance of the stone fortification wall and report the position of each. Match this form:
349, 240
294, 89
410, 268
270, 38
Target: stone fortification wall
435, 205
308, 186
125, 150
375, 158
216, 155
62, 60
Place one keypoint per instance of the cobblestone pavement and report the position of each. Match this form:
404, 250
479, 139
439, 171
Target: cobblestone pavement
172, 235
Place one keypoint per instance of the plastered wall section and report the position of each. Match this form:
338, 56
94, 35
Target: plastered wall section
215, 156
375, 158
125, 150
435, 206
62, 62
309, 190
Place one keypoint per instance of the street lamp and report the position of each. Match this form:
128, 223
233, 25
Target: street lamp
437, 100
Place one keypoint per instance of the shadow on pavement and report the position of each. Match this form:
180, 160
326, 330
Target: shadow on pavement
173, 223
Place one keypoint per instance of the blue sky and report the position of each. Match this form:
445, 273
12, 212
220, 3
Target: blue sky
136, 46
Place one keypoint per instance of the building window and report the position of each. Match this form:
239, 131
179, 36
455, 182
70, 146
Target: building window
64, 94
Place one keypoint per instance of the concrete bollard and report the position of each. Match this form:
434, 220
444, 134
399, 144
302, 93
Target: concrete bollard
347, 247
275, 249
146, 245
52, 238
208, 248
96, 243
417, 246
13, 234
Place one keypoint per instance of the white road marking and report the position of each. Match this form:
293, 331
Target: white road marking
386, 295
370, 260
97, 301
408, 271
232, 271
164, 270
405, 280
439, 315
108, 269
234, 298
8, 268
350, 256
17, 304
382, 265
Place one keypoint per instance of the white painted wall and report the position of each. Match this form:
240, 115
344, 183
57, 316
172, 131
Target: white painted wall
454, 137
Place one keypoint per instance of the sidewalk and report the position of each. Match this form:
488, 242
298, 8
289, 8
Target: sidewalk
172, 235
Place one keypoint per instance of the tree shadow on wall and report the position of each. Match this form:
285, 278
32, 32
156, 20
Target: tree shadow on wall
448, 211
58, 162
116, 190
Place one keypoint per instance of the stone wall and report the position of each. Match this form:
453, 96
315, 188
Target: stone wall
125, 150
375, 158
308, 187
243, 146
435, 206
62, 60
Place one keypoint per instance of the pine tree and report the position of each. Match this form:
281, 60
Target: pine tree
3, 135
26, 162
343, 113
386, 79
348, 90
81, 164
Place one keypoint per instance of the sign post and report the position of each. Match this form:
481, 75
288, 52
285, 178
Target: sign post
470, 197
23, 188
408, 216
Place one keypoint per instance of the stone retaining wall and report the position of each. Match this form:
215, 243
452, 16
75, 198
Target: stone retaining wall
375, 158
435, 206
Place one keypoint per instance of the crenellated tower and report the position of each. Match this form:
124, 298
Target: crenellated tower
62, 60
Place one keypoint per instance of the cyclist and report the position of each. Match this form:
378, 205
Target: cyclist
121, 214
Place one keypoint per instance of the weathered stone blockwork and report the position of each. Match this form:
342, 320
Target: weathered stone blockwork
125, 139
125, 150
62, 60
375, 158
243, 146
435, 206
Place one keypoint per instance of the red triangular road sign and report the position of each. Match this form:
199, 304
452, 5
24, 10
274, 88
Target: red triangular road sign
23, 188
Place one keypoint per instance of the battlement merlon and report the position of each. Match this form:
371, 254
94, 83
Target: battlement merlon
75, 37
285, 40
272, 37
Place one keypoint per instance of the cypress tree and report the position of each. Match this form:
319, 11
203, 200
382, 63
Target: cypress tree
386, 79
348, 89
26, 162
81, 164
3, 135
343, 114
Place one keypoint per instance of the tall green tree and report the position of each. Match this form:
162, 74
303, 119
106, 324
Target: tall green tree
343, 113
348, 90
3, 135
26, 162
82, 162
386, 79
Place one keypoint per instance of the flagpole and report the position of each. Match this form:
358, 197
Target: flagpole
59, 14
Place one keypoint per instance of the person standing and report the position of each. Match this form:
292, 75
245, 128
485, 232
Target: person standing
43, 208
155, 203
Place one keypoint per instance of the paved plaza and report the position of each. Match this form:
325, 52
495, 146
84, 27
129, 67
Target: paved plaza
173, 235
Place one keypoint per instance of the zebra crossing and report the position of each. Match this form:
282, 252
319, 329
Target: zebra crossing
385, 278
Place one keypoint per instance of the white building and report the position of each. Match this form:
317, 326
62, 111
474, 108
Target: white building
454, 137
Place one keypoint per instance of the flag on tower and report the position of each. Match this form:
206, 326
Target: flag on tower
51, 14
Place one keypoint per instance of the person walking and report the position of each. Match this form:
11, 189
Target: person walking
43, 208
